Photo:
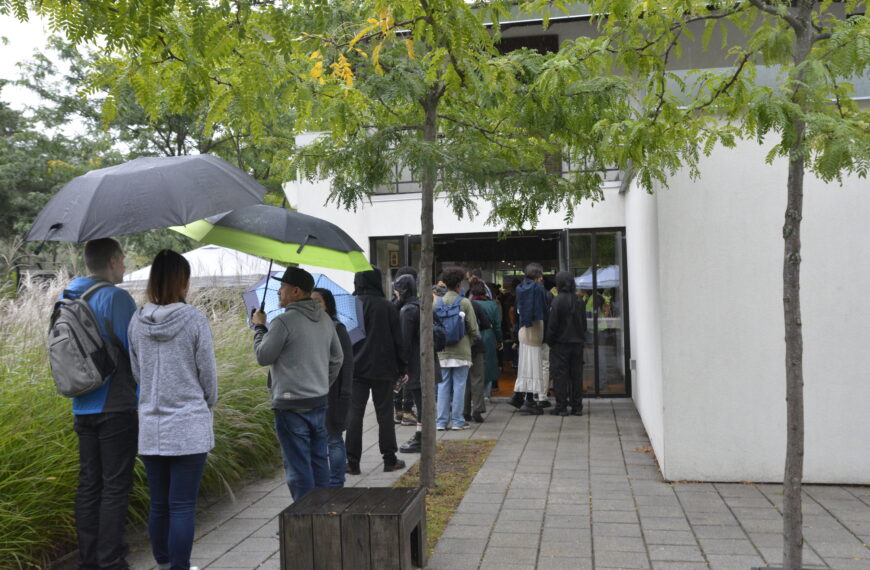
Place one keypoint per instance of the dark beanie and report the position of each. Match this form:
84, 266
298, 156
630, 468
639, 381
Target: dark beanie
298, 277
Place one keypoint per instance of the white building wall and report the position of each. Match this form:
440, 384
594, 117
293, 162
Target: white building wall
720, 269
399, 214
641, 220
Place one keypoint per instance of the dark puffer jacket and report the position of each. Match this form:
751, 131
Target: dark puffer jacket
567, 321
338, 401
379, 355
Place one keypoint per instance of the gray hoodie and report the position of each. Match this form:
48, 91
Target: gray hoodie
303, 353
172, 357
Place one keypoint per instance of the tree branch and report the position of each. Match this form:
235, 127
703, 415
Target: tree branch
792, 21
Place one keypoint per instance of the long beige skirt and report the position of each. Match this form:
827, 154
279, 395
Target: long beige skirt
530, 368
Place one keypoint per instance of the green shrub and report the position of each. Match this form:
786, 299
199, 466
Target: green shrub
39, 450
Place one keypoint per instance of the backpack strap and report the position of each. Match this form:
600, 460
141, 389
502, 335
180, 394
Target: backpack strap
93, 289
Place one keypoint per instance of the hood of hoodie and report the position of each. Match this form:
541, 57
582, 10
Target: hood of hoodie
368, 283
526, 285
565, 282
406, 285
310, 308
163, 322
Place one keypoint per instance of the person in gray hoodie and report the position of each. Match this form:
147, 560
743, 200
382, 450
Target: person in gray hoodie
172, 357
304, 356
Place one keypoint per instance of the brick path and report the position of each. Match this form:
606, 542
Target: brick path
568, 493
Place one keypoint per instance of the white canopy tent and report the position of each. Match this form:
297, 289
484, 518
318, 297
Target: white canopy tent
212, 266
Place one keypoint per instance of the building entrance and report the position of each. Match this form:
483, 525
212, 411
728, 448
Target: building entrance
597, 259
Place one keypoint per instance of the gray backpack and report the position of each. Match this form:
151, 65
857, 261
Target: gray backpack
81, 360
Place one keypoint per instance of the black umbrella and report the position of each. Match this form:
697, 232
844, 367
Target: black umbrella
282, 235
144, 194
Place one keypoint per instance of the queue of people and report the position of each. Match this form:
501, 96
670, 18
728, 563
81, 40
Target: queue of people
159, 401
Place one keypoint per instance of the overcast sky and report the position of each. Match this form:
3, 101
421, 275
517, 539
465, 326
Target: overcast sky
24, 38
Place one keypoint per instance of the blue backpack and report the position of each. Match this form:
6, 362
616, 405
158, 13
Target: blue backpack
451, 319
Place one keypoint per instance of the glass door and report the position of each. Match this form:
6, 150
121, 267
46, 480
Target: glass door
597, 259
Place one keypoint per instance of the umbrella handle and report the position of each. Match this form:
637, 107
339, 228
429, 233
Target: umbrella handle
269, 273
266, 288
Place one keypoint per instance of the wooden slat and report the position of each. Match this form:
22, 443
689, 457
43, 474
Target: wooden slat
356, 549
326, 525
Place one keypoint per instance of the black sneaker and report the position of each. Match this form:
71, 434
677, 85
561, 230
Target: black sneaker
467, 417
530, 409
544, 404
516, 400
559, 411
352, 468
577, 411
413, 445
477, 417
395, 466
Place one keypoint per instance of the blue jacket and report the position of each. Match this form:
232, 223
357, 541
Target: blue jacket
120, 392
531, 302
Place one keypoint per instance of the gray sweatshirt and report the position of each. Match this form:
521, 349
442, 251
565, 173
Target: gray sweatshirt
172, 357
303, 353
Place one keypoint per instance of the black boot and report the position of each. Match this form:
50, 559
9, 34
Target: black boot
559, 410
529, 408
393, 464
413, 445
516, 400
577, 410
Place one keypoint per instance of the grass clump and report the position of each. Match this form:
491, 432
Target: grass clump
456, 464
39, 450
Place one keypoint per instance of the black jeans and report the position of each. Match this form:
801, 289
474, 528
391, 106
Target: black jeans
107, 453
566, 370
382, 397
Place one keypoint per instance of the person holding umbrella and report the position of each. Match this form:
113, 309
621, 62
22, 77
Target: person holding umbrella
105, 418
304, 356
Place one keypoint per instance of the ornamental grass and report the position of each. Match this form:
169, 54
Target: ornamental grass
39, 450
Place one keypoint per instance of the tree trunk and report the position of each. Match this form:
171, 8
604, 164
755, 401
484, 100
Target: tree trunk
791, 303
427, 349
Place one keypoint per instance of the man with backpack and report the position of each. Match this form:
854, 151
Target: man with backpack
457, 315
104, 418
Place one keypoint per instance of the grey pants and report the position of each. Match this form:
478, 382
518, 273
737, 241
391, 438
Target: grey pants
474, 401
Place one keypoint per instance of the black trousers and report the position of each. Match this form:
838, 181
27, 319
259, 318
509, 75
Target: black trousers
403, 400
382, 396
566, 370
417, 395
107, 453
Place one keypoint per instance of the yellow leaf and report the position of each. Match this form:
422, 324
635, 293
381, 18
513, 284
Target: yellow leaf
376, 54
360, 35
315, 55
410, 45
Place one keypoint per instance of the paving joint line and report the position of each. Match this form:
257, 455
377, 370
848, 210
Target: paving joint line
549, 485
631, 488
740, 524
839, 522
589, 478
777, 509
511, 418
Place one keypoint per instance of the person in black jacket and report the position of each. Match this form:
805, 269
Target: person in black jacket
377, 364
405, 289
566, 333
403, 399
338, 401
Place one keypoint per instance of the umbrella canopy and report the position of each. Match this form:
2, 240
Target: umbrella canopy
348, 307
144, 194
605, 278
282, 235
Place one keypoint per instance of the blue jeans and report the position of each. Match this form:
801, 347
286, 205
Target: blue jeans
173, 481
451, 396
337, 459
302, 436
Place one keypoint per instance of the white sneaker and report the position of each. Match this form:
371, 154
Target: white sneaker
459, 428
441, 428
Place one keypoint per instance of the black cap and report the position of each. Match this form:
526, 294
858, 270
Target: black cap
298, 277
